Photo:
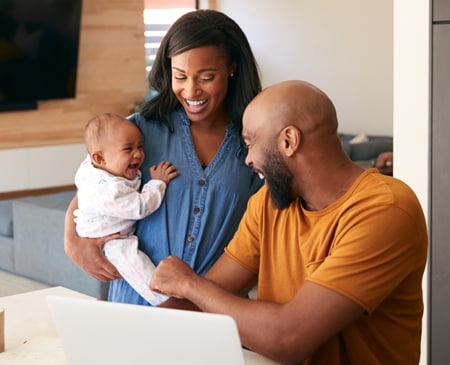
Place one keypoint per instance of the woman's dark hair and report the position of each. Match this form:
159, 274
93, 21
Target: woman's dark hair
198, 29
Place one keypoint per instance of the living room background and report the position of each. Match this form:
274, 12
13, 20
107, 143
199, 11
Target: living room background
344, 48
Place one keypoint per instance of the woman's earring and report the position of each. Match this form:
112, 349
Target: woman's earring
231, 74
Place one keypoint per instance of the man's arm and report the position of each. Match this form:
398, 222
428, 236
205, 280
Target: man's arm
284, 332
239, 282
87, 252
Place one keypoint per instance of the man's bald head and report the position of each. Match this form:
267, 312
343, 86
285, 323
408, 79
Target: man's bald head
290, 130
293, 102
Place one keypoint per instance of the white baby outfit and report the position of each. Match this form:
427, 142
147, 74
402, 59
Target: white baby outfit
110, 204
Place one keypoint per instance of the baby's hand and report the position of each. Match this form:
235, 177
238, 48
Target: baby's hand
164, 171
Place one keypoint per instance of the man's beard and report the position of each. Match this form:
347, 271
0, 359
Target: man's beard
278, 180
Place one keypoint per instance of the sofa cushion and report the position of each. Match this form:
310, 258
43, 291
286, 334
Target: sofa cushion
6, 218
365, 147
39, 244
371, 149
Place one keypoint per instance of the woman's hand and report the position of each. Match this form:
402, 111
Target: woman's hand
87, 252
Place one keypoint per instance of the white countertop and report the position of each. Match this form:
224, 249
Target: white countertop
31, 338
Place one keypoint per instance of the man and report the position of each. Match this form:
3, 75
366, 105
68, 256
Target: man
338, 252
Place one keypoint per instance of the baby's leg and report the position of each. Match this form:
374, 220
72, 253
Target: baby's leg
134, 266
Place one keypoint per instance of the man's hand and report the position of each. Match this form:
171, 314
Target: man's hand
173, 277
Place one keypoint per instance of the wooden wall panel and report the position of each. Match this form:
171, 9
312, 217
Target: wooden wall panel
111, 77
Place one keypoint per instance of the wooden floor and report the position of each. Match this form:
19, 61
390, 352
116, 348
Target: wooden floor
12, 284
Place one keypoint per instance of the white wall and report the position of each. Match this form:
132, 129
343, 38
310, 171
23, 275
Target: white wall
344, 47
412, 111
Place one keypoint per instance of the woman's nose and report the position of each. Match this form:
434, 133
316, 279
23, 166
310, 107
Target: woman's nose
191, 88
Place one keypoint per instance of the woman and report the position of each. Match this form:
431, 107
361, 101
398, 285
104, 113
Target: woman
205, 75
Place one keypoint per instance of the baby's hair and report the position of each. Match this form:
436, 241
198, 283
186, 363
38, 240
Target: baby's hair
97, 127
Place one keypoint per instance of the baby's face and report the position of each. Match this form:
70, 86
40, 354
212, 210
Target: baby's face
123, 151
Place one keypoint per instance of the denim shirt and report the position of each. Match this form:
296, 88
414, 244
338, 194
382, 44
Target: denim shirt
202, 207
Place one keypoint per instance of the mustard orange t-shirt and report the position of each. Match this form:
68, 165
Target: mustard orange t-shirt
370, 245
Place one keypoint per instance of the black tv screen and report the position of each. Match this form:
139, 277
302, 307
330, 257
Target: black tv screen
38, 51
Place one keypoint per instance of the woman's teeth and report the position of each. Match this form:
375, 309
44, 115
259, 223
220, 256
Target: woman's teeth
195, 102
261, 176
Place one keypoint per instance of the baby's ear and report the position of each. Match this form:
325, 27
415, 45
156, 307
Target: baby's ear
97, 158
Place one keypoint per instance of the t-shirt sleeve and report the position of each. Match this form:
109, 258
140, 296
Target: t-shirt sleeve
244, 247
373, 256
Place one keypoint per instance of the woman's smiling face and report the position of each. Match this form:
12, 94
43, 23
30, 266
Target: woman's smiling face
200, 82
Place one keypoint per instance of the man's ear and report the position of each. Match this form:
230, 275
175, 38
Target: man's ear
291, 138
97, 158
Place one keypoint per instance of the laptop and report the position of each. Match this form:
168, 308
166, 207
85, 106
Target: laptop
100, 332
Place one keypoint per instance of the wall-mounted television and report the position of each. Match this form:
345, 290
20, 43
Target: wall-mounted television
38, 51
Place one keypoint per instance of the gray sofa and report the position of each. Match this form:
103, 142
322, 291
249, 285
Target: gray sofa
31, 243
367, 150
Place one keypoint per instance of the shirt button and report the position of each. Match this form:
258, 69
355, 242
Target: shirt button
190, 239
202, 182
196, 210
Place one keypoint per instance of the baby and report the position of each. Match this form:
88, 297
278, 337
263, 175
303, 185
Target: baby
109, 201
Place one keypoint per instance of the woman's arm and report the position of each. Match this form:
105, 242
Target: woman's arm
87, 252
